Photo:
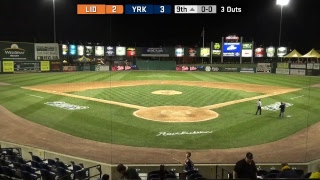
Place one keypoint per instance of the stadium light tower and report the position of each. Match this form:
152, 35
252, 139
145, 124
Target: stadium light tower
281, 3
54, 20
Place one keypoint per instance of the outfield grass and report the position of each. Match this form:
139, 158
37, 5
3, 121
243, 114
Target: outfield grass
191, 96
237, 126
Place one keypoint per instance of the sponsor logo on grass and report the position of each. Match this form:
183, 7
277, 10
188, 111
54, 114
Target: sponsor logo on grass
275, 106
183, 133
67, 106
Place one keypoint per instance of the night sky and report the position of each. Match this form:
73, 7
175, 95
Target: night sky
32, 20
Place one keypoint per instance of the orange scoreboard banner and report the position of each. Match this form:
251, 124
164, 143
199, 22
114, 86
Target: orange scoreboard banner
99, 9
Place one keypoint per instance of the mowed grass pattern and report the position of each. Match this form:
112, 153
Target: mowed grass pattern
191, 96
115, 124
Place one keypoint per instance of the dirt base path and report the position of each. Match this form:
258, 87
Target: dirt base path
294, 148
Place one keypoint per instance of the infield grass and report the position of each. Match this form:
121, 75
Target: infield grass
234, 127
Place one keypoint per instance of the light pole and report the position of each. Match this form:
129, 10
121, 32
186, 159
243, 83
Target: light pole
54, 20
281, 3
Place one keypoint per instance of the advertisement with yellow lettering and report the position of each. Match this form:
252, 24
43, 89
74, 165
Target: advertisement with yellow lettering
8, 66
45, 66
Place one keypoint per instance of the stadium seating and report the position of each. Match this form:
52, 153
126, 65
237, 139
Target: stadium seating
14, 166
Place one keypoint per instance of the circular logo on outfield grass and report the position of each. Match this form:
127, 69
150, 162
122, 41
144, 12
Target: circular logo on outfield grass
176, 114
167, 92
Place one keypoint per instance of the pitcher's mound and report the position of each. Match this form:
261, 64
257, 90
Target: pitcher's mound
176, 114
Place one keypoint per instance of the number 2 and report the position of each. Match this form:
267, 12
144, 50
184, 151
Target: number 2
114, 9
222, 9
161, 9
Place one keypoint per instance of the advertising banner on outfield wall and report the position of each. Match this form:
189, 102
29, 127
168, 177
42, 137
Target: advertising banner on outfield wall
211, 69
121, 68
109, 51
282, 71
120, 51
282, 51
8, 66
55, 66
270, 51
64, 49
99, 51
231, 49
310, 66
246, 50
283, 65
101, 68
187, 68
259, 52
46, 51
131, 52
44, 66
298, 66
69, 68
298, 72
155, 52
27, 66
80, 50
204, 52
216, 51
179, 52
230, 69
247, 70
316, 66
16, 51
263, 68
192, 52
72, 50
89, 51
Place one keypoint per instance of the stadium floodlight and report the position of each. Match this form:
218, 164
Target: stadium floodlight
283, 2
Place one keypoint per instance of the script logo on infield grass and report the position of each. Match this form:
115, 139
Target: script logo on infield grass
67, 106
275, 106
183, 133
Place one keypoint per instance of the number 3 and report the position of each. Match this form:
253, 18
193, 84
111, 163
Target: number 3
222, 9
114, 9
161, 9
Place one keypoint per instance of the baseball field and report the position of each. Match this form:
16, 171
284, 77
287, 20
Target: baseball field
165, 112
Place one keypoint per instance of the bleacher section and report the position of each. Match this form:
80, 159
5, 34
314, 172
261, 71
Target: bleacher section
13, 166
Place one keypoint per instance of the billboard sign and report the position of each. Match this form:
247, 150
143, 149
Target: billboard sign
282, 51
65, 49
270, 51
192, 52
109, 51
46, 51
231, 49
246, 50
259, 52
72, 50
99, 50
179, 52
120, 51
16, 51
131, 52
80, 49
205, 52
155, 52
89, 50
216, 51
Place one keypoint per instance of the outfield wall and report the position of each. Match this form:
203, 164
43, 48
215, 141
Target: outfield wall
309, 69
